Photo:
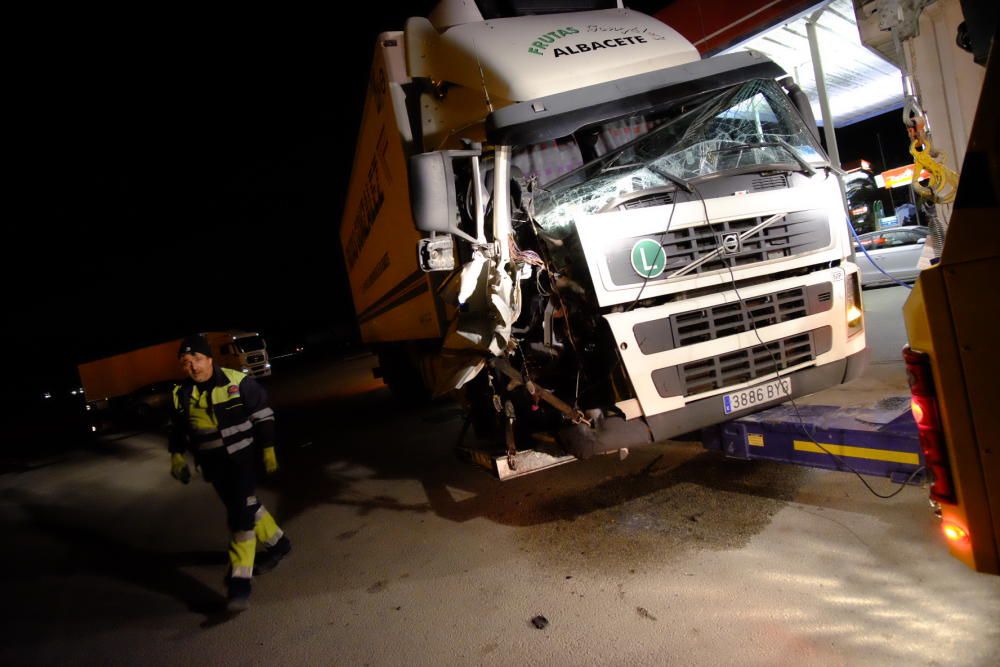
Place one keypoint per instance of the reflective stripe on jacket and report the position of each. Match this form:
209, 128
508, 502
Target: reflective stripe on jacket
232, 414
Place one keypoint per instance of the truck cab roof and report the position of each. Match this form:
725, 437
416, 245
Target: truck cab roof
527, 57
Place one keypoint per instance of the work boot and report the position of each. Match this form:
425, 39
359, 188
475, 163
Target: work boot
238, 598
270, 557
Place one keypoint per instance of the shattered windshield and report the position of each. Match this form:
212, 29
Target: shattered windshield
746, 126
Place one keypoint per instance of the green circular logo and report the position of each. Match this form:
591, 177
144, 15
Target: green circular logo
648, 258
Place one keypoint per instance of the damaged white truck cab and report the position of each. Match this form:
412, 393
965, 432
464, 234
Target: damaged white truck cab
617, 241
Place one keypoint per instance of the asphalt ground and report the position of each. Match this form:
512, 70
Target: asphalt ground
404, 555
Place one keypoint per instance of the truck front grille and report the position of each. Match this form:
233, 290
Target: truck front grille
784, 238
732, 368
726, 319
255, 358
797, 233
742, 365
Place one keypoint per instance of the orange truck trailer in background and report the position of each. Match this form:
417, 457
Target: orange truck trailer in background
135, 385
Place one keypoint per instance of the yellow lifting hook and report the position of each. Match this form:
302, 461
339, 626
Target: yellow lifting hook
943, 183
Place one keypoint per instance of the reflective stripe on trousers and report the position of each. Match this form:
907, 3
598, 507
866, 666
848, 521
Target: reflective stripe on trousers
266, 528
241, 553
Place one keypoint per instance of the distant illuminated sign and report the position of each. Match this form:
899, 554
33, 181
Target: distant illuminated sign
858, 165
898, 177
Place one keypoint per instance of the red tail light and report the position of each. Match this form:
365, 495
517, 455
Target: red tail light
925, 412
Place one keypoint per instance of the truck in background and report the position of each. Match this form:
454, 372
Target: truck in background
593, 233
134, 387
240, 350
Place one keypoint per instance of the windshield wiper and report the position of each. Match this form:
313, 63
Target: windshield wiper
777, 143
676, 180
794, 152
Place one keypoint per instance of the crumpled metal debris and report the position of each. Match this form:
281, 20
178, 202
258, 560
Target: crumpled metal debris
489, 303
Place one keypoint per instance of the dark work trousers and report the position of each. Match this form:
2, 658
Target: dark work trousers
234, 477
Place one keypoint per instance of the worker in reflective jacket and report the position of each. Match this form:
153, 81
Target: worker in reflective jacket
223, 418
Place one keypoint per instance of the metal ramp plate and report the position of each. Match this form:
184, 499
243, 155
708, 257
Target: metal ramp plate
526, 462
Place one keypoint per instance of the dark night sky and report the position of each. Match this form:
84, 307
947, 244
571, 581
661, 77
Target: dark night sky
186, 172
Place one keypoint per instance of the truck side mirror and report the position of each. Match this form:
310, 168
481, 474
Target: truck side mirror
433, 196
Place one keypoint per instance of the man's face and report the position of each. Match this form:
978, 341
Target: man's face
197, 366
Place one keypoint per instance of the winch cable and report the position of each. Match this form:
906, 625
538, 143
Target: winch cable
777, 375
659, 243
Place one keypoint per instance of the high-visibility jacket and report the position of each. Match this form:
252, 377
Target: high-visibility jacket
232, 414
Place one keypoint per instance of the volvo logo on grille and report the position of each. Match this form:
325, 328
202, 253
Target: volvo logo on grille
730, 244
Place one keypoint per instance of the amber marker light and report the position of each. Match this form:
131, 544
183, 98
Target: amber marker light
954, 533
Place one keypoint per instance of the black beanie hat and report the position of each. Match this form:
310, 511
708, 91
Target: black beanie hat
193, 344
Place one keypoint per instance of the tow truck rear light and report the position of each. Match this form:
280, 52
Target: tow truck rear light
954, 532
924, 407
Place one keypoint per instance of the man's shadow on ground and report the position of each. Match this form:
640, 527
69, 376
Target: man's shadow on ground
99, 554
